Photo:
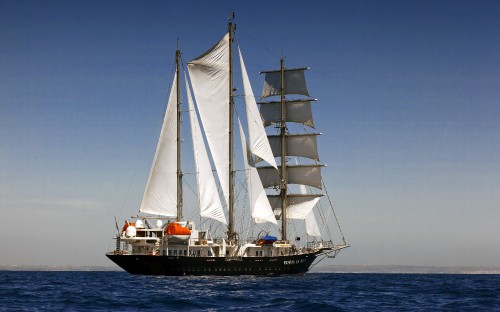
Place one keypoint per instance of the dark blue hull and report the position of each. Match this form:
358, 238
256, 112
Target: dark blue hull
183, 265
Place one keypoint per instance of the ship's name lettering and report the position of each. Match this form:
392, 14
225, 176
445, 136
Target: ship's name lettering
290, 262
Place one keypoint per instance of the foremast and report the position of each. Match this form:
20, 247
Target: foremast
282, 82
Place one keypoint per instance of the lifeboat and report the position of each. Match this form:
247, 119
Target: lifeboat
126, 225
177, 233
266, 240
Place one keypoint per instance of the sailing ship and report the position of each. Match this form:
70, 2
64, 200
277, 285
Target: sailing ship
175, 246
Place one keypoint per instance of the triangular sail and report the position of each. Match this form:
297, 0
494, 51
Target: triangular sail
210, 79
299, 205
258, 142
311, 224
208, 197
259, 204
160, 195
300, 211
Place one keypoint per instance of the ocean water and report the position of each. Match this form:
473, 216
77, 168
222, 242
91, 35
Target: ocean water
119, 291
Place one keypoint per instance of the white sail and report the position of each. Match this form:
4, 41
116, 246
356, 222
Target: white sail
298, 205
210, 80
302, 145
301, 210
160, 195
311, 224
295, 82
208, 196
301, 174
258, 142
259, 204
298, 111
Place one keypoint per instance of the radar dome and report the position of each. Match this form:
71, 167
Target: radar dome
131, 231
139, 224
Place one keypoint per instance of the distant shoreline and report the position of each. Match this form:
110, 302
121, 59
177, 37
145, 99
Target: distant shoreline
394, 269
406, 269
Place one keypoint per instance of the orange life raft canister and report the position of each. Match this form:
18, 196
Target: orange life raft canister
176, 229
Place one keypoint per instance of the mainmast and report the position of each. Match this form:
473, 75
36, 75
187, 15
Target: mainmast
230, 231
283, 178
179, 169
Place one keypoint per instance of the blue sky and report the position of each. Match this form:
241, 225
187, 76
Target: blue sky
409, 108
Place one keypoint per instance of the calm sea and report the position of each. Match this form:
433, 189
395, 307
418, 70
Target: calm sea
94, 291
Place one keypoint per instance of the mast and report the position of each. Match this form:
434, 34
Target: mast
179, 169
283, 178
230, 231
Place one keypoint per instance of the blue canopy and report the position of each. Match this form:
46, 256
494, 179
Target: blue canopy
270, 238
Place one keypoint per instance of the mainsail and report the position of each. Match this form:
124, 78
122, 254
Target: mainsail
210, 77
160, 195
208, 197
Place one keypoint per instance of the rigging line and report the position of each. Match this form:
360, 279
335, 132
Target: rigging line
172, 72
333, 210
318, 261
192, 190
324, 218
128, 191
259, 43
318, 206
